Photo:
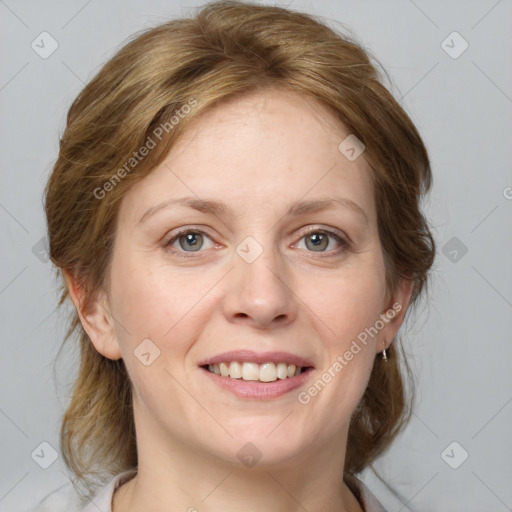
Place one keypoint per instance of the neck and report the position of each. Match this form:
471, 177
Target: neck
175, 473
190, 481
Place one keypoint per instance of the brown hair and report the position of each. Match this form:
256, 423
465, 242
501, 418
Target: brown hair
227, 49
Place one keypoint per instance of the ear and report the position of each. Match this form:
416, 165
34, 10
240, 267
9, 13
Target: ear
394, 314
97, 321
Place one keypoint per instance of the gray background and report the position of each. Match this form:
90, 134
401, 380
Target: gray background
460, 343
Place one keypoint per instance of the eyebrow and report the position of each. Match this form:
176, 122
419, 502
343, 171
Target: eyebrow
221, 209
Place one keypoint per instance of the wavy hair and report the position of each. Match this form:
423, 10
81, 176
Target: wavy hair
226, 49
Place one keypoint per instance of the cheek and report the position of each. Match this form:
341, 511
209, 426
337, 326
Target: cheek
170, 310
347, 305
153, 301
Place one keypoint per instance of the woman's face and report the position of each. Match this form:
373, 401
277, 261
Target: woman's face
282, 264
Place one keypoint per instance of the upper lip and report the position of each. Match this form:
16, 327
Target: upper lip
250, 356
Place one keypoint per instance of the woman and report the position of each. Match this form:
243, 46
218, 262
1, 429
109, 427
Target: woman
235, 212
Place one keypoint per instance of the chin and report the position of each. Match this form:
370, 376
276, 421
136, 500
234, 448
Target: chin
259, 448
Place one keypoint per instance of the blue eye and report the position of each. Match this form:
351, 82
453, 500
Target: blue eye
320, 241
189, 241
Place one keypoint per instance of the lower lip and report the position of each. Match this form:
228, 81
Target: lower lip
256, 389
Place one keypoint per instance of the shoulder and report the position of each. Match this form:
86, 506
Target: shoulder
63, 499
368, 501
103, 500
66, 498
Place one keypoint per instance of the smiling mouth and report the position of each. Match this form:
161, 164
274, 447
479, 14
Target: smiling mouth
248, 371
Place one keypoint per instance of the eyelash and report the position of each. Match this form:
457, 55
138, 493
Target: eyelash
345, 245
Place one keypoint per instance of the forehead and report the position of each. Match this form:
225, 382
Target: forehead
266, 148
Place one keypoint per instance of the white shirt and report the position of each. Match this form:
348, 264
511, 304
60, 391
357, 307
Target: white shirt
64, 499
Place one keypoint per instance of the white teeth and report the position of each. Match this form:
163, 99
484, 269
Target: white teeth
235, 370
266, 372
250, 371
282, 371
224, 369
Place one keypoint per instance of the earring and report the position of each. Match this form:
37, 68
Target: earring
384, 356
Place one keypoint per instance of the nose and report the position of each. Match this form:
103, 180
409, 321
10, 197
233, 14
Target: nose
259, 294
